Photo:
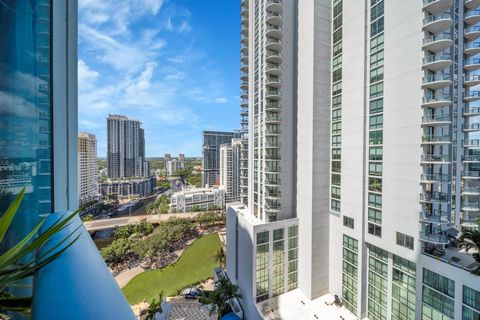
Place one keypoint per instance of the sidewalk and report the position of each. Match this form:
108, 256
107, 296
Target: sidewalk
125, 276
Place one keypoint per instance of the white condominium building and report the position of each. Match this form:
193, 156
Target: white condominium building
87, 163
197, 199
386, 118
230, 170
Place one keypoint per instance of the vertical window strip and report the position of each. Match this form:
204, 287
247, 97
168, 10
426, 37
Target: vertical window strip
337, 34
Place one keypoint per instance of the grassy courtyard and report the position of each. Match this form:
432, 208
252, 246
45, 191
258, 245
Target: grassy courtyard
195, 264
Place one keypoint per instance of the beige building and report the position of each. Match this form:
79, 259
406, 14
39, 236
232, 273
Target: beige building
87, 167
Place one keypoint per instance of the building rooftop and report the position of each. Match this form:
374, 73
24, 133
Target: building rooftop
296, 305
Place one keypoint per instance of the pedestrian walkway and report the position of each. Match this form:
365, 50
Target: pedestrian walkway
126, 275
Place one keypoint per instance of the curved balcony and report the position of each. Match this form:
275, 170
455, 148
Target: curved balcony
244, 12
471, 96
244, 30
436, 159
244, 85
273, 106
244, 57
273, 195
468, 223
433, 238
471, 48
271, 209
44, 88
435, 216
274, 18
434, 178
470, 206
437, 62
472, 33
274, 56
437, 100
470, 4
438, 42
471, 175
244, 76
273, 81
472, 17
273, 94
471, 80
437, 81
244, 40
274, 6
472, 64
436, 120
471, 158
244, 95
436, 139
435, 6
273, 31
244, 49
272, 118
273, 44
471, 191
471, 111
273, 68
438, 23
79, 272
435, 197
472, 143
471, 127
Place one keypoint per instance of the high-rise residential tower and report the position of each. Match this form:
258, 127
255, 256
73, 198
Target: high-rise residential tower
386, 171
244, 79
230, 170
87, 164
211, 154
126, 148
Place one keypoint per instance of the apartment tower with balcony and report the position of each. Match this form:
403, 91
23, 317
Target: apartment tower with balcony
404, 165
125, 148
263, 232
385, 176
87, 167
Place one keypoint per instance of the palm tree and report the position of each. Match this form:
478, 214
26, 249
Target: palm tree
220, 298
220, 257
470, 239
20, 261
154, 308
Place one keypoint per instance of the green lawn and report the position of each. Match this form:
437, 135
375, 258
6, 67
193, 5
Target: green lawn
195, 264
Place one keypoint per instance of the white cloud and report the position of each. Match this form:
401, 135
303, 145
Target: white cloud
221, 100
86, 76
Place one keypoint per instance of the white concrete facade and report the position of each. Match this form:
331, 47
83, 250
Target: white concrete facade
194, 199
386, 158
230, 170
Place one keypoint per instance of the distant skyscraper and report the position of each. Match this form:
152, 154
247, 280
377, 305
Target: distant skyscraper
87, 163
230, 170
181, 157
211, 154
126, 148
174, 165
167, 157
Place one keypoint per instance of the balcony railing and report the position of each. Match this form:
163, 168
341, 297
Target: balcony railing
436, 118
473, 157
436, 138
78, 281
437, 177
434, 238
434, 196
437, 216
435, 158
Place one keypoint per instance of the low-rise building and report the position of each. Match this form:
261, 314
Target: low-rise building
118, 189
197, 199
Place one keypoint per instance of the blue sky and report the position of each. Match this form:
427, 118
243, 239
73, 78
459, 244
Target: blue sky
173, 64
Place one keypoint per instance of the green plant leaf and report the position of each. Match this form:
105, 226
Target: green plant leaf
18, 304
7, 218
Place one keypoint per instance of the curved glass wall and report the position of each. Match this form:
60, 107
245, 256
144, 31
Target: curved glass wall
25, 112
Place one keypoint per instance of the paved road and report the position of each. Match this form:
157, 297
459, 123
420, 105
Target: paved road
97, 225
